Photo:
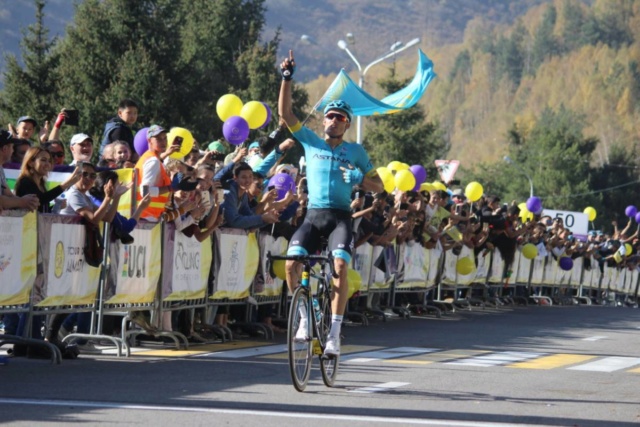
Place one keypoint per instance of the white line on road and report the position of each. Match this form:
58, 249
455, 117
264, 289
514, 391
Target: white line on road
496, 359
388, 353
378, 388
303, 415
595, 338
608, 364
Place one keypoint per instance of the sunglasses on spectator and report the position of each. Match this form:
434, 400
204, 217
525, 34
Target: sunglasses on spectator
336, 116
58, 154
91, 175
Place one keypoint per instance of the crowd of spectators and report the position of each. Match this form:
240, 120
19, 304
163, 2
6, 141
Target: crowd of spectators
214, 186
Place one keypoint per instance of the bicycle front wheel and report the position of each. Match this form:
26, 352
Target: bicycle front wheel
299, 350
328, 365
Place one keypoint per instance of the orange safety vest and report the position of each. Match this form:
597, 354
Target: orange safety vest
156, 207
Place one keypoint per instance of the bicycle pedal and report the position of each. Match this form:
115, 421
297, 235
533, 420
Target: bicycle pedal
317, 348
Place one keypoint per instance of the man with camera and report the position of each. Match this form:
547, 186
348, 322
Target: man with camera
333, 168
152, 174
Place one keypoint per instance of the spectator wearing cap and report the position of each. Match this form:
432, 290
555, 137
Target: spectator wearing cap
7, 199
152, 173
254, 156
218, 147
81, 147
458, 196
26, 127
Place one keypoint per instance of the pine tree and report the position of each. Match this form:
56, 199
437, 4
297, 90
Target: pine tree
30, 90
544, 42
176, 58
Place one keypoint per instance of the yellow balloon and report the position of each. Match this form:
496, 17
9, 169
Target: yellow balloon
628, 249
529, 251
465, 266
278, 268
187, 142
591, 213
387, 179
255, 113
473, 191
439, 186
403, 166
394, 166
525, 214
425, 186
405, 181
228, 105
355, 281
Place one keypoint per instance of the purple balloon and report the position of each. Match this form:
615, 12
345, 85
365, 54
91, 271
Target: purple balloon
534, 204
235, 130
140, 143
283, 183
566, 263
419, 173
638, 217
631, 211
266, 122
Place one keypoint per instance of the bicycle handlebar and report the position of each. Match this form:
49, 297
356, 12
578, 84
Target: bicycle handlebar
305, 259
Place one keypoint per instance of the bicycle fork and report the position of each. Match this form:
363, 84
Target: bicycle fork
313, 311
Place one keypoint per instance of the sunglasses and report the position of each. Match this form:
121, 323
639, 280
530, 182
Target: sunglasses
91, 175
58, 154
336, 116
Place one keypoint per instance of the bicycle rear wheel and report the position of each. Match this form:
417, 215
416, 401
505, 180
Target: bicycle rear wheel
299, 351
328, 365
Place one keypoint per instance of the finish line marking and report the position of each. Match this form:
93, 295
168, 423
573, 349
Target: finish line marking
303, 415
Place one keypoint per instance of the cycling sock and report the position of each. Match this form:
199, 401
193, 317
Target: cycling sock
302, 309
336, 324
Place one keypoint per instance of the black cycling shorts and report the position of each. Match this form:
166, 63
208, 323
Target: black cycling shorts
333, 224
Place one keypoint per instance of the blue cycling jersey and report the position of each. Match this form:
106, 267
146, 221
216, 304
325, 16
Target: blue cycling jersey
327, 188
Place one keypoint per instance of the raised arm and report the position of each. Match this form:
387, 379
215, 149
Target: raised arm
285, 109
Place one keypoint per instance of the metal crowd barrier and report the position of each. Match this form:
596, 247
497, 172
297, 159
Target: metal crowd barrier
164, 270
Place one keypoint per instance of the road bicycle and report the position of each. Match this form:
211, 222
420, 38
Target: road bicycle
318, 309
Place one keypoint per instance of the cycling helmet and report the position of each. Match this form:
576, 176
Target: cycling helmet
339, 104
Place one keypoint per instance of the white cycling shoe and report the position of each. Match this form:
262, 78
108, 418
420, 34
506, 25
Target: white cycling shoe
332, 347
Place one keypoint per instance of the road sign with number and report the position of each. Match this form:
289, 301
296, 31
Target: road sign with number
577, 222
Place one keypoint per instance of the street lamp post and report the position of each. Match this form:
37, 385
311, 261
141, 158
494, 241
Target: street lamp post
511, 162
396, 48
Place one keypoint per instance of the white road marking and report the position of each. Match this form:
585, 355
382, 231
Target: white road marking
608, 364
496, 359
246, 352
388, 353
250, 412
378, 388
595, 338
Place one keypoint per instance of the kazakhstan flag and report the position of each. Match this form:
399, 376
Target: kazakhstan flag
364, 104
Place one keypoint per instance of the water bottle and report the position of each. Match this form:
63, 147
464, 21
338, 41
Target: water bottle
316, 310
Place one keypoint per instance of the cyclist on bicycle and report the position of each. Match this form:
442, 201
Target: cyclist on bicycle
333, 168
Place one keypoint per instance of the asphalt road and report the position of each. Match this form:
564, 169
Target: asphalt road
559, 366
